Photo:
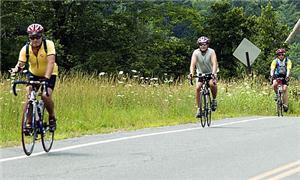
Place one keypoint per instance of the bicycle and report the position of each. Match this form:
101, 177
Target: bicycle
279, 101
34, 111
205, 98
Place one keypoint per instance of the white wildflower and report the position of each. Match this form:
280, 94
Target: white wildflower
102, 73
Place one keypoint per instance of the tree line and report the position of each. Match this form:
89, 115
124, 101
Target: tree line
151, 37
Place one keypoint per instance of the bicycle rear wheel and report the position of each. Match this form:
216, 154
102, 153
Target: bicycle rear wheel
208, 109
29, 133
47, 136
202, 109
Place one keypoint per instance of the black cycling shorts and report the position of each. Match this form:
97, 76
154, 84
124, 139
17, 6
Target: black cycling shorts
51, 83
284, 82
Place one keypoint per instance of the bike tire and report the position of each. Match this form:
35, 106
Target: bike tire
280, 105
202, 109
28, 136
208, 109
46, 136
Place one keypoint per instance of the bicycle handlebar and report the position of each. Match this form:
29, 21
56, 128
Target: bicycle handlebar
29, 83
205, 75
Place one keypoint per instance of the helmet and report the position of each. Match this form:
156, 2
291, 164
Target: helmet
35, 29
280, 51
203, 39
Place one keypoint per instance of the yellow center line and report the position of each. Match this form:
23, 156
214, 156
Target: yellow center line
290, 169
286, 174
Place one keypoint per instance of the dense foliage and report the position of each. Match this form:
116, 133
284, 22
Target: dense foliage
152, 37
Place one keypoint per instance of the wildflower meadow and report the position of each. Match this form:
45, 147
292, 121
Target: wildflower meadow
104, 103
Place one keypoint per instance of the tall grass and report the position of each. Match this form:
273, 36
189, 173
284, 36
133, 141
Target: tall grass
89, 104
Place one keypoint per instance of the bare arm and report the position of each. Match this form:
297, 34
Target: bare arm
50, 66
272, 72
193, 64
214, 62
20, 65
289, 67
273, 66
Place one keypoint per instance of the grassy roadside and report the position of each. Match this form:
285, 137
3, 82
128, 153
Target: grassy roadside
101, 104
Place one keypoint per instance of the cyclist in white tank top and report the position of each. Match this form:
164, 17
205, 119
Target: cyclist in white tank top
205, 61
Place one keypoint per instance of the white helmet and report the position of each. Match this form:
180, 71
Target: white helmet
203, 39
35, 29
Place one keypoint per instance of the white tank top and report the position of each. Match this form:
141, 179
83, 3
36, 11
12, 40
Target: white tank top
203, 61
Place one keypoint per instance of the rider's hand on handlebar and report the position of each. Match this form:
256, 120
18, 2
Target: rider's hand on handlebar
46, 80
215, 79
271, 78
287, 78
16, 70
190, 76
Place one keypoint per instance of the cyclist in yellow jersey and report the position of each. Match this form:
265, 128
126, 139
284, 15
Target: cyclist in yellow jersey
42, 66
281, 67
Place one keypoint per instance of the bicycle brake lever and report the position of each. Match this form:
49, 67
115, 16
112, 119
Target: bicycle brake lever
14, 89
191, 82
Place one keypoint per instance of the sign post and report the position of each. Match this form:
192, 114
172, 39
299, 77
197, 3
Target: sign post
247, 52
248, 63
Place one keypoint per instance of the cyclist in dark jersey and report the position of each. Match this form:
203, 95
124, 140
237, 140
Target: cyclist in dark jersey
281, 67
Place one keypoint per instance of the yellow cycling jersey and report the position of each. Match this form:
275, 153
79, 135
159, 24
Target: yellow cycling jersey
38, 64
276, 61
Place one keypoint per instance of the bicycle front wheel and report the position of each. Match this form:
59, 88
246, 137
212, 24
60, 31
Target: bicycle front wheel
279, 106
28, 129
202, 108
47, 135
208, 110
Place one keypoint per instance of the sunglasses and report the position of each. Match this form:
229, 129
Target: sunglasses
280, 54
35, 37
203, 44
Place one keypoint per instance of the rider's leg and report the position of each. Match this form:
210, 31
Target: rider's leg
285, 94
198, 96
28, 91
275, 87
49, 104
198, 90
214, 91
213, 88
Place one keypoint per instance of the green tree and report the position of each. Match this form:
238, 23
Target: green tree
227, 26
271, 34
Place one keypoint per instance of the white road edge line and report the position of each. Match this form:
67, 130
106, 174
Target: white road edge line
126, 138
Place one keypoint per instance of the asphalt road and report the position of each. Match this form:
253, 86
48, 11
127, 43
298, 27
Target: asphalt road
244, 148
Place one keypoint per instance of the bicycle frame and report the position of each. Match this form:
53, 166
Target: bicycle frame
34, 111
205, 98
37, 109
279, 102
